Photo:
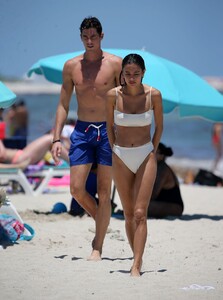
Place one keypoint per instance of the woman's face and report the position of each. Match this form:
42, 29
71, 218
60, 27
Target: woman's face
132, 74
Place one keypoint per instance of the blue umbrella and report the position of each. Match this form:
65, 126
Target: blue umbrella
179, 86
7, 97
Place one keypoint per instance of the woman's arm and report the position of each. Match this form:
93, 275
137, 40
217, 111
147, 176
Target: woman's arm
110, 102
158, 117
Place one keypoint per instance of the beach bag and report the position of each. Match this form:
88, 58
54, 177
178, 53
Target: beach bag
11, 229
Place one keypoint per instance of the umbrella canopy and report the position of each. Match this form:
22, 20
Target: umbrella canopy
7, 97
179, 86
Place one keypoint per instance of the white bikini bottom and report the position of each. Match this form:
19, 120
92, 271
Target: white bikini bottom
133, 157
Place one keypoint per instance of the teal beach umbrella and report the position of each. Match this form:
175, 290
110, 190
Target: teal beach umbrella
180, 87
7, 97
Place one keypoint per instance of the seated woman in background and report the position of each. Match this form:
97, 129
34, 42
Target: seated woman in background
166, 198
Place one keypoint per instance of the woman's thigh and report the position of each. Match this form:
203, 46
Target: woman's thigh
124, 181
145, 178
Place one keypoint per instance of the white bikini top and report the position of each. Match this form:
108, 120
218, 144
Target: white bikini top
133, 120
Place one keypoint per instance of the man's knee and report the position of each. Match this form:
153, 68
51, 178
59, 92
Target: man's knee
104, 195
77, 190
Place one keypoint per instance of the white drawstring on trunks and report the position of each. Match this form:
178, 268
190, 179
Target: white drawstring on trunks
97, 127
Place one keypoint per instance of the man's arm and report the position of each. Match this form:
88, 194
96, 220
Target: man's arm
117, 68
110, 116
62, 109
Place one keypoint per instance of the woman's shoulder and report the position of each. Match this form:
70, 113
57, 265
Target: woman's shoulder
148, 88
114, 91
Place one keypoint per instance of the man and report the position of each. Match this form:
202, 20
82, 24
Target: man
92, 74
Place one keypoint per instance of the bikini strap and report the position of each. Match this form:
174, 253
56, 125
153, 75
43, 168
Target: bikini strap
150, 104
116, 94
149, 98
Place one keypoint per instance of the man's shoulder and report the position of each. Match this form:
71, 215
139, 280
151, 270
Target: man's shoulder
112, 57
73, 61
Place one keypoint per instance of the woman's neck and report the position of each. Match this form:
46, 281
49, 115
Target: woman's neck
133, 91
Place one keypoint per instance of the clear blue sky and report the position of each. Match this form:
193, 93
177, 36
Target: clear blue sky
188, 32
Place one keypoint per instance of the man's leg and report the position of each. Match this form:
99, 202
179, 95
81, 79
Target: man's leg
78, 177
103, 214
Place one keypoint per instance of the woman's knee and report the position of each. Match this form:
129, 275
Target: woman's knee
140, 215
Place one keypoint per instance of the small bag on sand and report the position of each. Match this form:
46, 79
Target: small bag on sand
11, 229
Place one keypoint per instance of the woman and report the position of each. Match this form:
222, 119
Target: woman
31, 154
166, 198
130, 109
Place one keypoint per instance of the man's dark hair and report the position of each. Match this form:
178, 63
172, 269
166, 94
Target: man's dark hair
91, 22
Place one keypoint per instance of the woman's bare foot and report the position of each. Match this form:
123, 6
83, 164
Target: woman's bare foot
136, 269
95, 255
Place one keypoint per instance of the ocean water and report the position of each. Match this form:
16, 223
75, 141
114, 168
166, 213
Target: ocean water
189, 137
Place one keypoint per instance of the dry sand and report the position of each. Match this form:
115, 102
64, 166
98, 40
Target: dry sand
183, 257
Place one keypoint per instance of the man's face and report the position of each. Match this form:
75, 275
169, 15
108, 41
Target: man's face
91, 39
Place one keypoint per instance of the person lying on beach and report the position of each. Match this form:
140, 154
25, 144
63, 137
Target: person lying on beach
23, 165
31, 154
166, 198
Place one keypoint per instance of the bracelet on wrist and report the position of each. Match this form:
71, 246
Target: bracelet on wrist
56, 141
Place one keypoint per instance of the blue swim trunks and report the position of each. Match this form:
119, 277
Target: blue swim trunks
89, 144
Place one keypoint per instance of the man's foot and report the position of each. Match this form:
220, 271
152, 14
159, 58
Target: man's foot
95, 256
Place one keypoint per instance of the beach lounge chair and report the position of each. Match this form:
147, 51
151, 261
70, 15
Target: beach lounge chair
46, 174
19, 176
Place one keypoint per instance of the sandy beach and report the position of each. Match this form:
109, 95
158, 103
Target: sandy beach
183, 257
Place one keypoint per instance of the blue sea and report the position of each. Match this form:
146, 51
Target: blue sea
190, 138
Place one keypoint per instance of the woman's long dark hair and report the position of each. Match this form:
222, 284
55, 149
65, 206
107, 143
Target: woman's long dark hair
131, 58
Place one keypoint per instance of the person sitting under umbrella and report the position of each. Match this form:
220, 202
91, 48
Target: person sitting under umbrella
166, 198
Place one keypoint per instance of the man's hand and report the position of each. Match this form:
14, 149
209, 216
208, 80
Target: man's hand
56, 152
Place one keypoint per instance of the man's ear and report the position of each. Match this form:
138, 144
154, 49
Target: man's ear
102, 35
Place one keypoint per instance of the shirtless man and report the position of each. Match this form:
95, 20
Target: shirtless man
92, 74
